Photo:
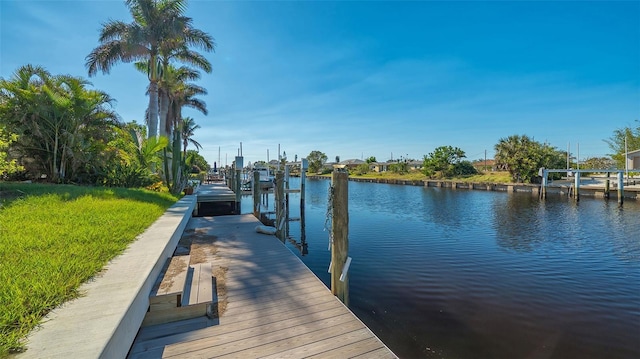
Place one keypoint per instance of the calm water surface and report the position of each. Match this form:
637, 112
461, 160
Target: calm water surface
441, 273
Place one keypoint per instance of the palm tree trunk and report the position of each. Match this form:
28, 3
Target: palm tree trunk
55, 158
153, 109
167, 171
164, 110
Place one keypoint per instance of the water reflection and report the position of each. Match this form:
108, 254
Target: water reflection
517, 220
468, 274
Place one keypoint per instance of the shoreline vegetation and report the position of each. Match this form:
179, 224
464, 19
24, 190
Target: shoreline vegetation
53, 238
493, 177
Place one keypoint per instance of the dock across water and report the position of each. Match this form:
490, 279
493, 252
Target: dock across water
270, 306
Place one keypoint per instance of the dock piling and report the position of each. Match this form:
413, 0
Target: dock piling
304, 165
620, 188
340, 235
576, 187
543, 187
256, 194
238, 182
279, 203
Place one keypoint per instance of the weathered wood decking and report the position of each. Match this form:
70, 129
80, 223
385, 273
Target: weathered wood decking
275, 307
215, 199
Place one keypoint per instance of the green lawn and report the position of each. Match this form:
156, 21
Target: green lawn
55, 237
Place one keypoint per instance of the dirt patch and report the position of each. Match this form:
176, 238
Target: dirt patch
172, 272
220, 273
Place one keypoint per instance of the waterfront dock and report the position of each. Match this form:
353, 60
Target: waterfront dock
269, 303
215, 199
265, 301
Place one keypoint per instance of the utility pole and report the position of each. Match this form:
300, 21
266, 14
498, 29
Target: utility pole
485, 160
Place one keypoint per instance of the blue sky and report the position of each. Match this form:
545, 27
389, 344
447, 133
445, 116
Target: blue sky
358, 79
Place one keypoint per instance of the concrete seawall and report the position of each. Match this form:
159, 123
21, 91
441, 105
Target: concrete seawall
560, 189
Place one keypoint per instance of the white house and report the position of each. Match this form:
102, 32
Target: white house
633, 160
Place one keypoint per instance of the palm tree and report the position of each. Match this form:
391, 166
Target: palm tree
182, 94
170, 75
56, 118
173, 79
188, 128
158, 27
507, 150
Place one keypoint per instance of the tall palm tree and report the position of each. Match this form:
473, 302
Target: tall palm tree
179, 50
188, 128
158, 25
173, 78
180, 94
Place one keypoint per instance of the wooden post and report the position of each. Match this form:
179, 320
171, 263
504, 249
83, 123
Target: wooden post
620, 188
256, 194
303, 232
576, 187
286, 201
279, 201
304, 165
607, 186
238, 182
340, 234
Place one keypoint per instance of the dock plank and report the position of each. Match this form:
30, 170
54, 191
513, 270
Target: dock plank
237, 323
167, 291
262, 341
201, 288
382, 353
322, 346
275, 306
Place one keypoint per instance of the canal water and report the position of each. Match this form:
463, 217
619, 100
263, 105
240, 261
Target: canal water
441, 273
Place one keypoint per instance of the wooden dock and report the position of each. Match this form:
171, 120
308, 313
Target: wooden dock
215, 199
271, 306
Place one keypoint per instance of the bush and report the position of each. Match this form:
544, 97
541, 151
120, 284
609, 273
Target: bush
128, 176
362, 169
464, 168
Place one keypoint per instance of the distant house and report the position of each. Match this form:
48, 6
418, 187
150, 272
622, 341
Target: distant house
480, 165
379, 166
352, 163
633, 160
328, 166
415, 165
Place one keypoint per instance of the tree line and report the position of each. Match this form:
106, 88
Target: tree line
56, 128
519, 155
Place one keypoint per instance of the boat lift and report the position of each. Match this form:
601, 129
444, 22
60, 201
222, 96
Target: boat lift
544, 172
